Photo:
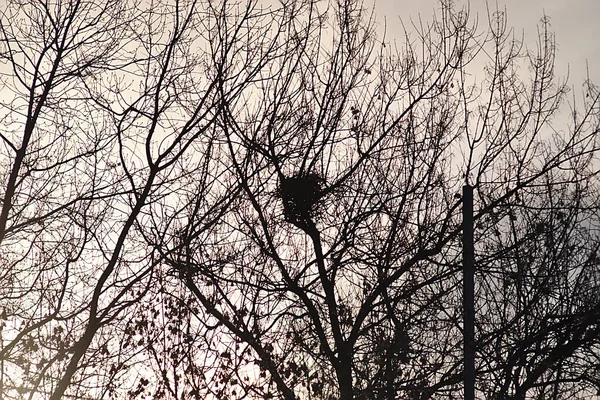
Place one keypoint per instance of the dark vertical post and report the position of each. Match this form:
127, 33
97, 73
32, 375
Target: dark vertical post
468, 293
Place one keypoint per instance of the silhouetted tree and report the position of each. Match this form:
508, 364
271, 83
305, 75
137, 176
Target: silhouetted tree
109, 122
338, 272
208, 199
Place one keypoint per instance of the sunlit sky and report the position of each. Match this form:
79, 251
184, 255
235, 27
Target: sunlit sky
574, 22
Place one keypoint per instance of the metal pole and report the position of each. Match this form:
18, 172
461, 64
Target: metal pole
468, 293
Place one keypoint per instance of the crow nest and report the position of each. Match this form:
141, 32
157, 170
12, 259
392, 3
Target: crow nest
301, 196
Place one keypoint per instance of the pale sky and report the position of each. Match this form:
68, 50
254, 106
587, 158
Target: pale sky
575, 23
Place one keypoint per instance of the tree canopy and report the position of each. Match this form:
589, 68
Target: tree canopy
235, 200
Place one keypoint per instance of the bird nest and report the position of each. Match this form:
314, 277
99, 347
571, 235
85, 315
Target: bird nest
301, 196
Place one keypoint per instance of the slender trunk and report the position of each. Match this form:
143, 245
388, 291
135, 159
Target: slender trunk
344, 374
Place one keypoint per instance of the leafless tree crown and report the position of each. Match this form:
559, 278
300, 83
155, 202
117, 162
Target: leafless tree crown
236, 200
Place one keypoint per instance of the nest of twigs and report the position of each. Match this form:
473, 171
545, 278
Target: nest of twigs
301, 196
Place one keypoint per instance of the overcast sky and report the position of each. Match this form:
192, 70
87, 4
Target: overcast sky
575, 23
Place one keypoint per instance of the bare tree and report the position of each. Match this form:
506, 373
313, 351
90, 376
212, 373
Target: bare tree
109, 127
538, 238
207, 199
338, 272
57, 190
